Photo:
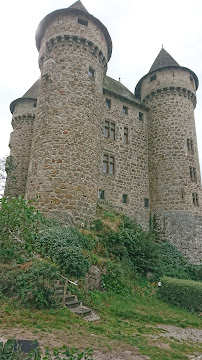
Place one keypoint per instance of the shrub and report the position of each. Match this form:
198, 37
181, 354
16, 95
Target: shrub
184, 293
72, 260
116, 279
31, 283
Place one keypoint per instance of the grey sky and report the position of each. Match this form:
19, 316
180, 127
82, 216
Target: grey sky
138, 30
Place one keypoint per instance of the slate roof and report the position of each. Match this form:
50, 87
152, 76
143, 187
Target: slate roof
163, 59
117, 88
78, 5
32, 93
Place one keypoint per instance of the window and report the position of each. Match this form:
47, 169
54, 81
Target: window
190, 146
152, 78
195, 199
108, 164
101, 194
146, 203
125, 110
192, 171
91, 73
141, 116
34, 104
83, 22
110, 130
108, 103
124, 198
125, 135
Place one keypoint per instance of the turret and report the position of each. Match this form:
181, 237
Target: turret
23, 110
74, 49
169, 91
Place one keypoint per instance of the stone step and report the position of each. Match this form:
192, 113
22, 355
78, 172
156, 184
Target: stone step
82, 311
72, 304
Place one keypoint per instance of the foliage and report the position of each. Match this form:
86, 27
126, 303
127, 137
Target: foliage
2, 174
19, 222
31, 283
8, 352
66, 246
134, 244
116, 279
184, 293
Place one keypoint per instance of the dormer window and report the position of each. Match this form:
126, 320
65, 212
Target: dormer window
153, 77
83, 22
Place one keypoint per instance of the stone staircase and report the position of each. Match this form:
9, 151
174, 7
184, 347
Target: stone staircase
73, 304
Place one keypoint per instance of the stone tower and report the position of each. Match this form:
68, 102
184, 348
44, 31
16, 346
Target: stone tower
169, 90
74, 49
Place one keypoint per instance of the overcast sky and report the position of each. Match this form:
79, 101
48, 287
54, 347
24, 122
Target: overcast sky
137, 28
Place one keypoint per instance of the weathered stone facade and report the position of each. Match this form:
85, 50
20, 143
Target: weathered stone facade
79, 135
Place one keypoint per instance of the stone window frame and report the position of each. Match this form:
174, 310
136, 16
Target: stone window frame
126, 135
152, 78
91, 73
108, 103
190, 146
146, 203
125, 110
195, 199
193, 173
101, 194
109, 129
82, 22
141, 116
108, 164
124, 198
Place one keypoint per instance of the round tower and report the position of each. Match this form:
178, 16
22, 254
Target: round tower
169, 91
74, 49
23, 110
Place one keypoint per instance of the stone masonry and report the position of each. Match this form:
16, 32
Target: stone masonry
80, 137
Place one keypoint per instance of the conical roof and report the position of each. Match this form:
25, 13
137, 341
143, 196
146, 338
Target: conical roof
163, 60
78, 5
32, 93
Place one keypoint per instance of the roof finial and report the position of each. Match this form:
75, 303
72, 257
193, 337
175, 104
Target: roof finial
119, 79
162, 46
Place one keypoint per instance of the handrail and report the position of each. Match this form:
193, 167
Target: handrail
65, 287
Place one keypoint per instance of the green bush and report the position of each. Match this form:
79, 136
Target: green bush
116, 278
32, 284
135, 244
183, 293
72, 260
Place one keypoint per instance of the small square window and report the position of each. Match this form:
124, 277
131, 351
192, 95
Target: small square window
195, 199
141, 116
146, 203
108, 103
124, 198
83, 22
91, 73
153, 77
101, 194
125, 110
125, 135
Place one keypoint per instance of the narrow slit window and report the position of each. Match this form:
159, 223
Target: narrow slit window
190, 146
195, 199
125, 110
140, 116
146, 203
108, 103
91, 73
125, 135
101, 194
124, 198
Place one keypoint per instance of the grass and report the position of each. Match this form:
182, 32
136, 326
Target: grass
127, 322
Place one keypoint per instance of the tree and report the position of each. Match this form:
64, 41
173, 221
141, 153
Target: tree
2, 175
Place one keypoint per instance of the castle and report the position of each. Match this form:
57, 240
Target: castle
80, 137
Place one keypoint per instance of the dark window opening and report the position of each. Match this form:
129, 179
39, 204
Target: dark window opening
146, 203
83, 22
152, 78
125, 135
110, 130
195, 199
34, 104
91, 73
124, 198
101, 194
191, 78
108, 164
125, 110
190, 146
108, 103
192, 171
141, 116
